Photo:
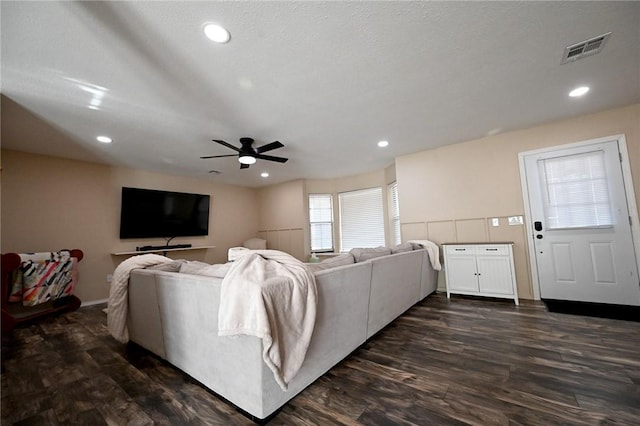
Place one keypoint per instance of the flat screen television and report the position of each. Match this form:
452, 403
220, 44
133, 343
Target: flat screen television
149, 213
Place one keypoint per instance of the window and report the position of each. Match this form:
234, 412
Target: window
394, 212
361, 219
321, 222
576, 191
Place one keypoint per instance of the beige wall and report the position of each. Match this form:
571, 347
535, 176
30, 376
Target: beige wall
51, 203
450, 194
282, 217
350, 183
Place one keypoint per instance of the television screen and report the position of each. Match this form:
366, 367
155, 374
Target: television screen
148, 213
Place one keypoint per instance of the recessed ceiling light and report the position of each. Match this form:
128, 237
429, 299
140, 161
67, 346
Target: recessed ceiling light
216, 33
264, 174
104, 139
382, 144
578, 91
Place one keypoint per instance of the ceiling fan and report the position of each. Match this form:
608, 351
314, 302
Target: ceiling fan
247, 154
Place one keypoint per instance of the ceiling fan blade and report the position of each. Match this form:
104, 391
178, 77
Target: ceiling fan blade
244, 166
219, 156
228, 145
271, 158
269, 147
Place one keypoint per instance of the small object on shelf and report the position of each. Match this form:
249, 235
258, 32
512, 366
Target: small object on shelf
38, 298
167, 247
162, 249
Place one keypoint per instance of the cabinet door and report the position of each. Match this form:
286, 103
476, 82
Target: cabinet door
461, 273
494, 273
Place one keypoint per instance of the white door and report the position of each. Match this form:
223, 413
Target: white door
582, 236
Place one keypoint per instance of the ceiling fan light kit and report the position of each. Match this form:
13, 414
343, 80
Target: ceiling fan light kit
247, 159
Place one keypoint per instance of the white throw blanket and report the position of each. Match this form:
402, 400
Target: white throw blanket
118, 294
432, 250
271, 295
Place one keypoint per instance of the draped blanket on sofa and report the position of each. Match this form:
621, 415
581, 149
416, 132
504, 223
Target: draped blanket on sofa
271, 295
119, 293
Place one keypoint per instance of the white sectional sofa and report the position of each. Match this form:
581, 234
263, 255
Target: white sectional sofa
175, 316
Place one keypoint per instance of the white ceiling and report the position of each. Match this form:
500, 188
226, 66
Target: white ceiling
327, 79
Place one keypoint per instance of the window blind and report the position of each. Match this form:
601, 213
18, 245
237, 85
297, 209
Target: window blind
361, 219
321, 222
576, 191
394, 211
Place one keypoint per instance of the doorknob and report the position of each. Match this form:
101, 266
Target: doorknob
539, 236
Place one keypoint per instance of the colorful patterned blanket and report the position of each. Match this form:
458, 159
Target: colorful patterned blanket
42, 277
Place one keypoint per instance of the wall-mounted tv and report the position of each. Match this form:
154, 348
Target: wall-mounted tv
148, 213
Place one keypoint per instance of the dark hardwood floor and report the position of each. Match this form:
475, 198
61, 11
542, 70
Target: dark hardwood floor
465, 361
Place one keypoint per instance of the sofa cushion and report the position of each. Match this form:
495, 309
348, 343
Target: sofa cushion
401, 248
332, 262
255, 244
192, 267
219, 270
362, 254
168, 267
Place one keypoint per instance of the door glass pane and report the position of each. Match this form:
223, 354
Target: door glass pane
576, 192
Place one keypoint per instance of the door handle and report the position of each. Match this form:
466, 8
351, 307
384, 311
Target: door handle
537, 226
539, 236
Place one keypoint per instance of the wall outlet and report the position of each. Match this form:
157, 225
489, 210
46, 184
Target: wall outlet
495, 221
109, 278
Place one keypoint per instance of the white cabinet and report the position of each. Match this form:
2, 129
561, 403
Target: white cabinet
480, 270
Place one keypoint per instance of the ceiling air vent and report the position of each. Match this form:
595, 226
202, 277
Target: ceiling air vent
584, 48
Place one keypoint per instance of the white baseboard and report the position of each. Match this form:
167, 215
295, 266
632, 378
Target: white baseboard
94, 302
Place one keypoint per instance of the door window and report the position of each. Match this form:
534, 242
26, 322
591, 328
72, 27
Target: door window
576, 192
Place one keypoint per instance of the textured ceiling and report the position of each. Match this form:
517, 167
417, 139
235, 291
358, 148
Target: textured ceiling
327, 79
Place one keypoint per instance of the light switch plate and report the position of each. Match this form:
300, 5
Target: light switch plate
515, 220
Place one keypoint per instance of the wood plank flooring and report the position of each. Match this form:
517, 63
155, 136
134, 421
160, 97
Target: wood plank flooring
464, 361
